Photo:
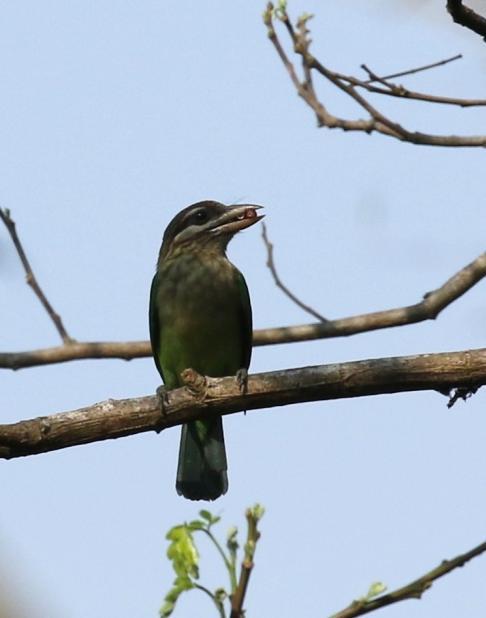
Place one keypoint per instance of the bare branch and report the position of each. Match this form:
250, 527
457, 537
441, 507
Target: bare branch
467, 17
278, 281
425, 67
414, 590
204, 396
377, 121
428, 309
124, 350
397, 90
373, 77
30, 278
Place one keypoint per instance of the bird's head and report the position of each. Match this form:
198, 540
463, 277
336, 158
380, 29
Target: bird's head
206, 226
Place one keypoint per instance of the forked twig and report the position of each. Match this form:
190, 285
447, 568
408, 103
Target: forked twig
425, 67
376, 121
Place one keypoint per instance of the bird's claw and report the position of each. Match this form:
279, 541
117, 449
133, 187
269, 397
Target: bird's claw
163, 397
242, 380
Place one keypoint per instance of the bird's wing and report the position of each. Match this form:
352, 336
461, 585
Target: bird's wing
246, 321
154, 323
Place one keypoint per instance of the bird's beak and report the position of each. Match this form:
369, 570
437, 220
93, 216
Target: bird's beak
236, 218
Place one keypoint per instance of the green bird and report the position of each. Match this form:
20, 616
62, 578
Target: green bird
200, 318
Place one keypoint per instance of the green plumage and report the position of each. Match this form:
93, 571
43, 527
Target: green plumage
200, 318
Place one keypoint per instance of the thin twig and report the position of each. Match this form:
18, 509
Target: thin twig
375, 78
218, 604
30, 278
222, 553
394, 90
308, 83
278, 281
414, 590
427, 309
425, 67
114, 419
267, 18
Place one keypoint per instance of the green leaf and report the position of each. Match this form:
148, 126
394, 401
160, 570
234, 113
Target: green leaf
196, 524
184, 556
375, 589
305, 18
167, 608
280, 9
182, 552
220, 595
209, 517
170, 600
257, 511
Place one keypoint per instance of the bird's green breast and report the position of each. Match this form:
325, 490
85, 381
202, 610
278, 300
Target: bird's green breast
199, 305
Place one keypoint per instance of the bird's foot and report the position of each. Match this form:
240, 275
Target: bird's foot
461, 392
163, 396
242, 380
195, 382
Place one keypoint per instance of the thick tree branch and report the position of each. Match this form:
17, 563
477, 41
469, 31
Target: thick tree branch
376, 121
427, 309
124, 350
30, 277
414, 590
467, 17
204, 396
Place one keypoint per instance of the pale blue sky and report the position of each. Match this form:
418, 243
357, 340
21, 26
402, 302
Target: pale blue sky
114, 116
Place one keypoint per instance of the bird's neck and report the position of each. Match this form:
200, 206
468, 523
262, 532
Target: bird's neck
204, 253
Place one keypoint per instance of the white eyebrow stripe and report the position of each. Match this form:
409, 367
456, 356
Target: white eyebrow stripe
194, 212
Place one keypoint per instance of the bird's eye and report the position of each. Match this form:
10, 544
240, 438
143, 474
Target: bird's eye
199, 217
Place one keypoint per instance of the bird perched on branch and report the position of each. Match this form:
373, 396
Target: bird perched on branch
200, 318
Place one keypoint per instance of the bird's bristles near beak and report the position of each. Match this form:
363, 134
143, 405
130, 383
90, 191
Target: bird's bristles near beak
236, 218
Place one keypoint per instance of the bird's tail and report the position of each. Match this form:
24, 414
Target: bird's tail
201, 471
